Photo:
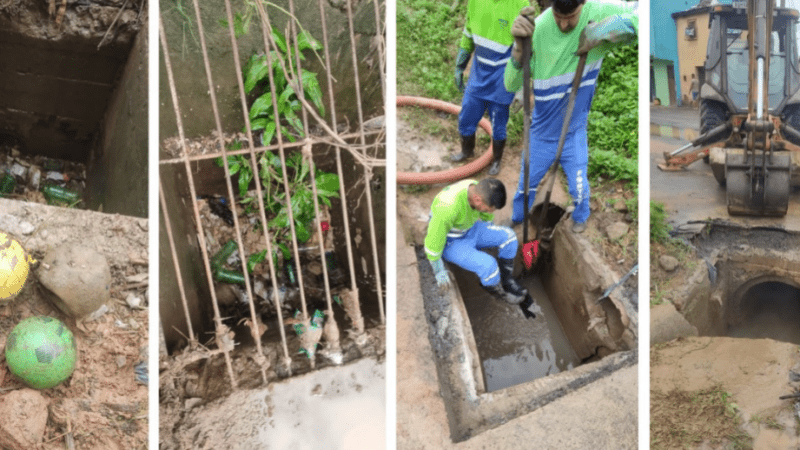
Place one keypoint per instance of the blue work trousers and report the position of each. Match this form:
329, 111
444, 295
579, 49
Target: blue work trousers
574, 161
465, 251
472, 109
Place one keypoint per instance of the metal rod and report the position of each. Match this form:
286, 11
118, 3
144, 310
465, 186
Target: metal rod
367, 170
176, 264
220, 327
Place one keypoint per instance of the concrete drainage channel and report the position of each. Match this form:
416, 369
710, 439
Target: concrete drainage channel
73, 87
747, 285
577, 341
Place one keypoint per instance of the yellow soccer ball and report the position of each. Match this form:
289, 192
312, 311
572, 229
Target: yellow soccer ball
14, 267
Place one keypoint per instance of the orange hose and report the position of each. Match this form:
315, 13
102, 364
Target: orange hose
445, 176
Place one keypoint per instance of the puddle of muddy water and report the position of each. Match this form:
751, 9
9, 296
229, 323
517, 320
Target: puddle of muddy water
513, 349
772, 311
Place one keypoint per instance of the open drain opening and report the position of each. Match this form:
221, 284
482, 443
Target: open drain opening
769, 310
73, 104
747, 284
494, 365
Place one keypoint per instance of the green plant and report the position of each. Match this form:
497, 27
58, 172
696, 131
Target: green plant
256, 79
256, 75
270, 175
659, 228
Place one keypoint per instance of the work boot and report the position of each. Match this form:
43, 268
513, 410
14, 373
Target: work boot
500, 294
467, 149
497, 152
507, 279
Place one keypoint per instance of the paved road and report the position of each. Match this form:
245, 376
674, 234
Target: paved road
685, 118
693, 194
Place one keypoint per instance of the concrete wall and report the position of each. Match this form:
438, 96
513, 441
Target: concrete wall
117, 169
661, 79
55, 83
191, 81
691, 52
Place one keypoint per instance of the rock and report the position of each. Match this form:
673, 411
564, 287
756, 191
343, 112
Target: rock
620, 206
616, 230
668, 263
667, 324
78, 279
24, 414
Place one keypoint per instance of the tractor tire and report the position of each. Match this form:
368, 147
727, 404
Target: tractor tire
791, 117
712, 114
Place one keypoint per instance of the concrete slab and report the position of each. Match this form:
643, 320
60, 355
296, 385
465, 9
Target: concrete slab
667, 324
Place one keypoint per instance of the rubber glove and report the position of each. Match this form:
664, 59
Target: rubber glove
462, 59
522, 28
442, 277
614, 28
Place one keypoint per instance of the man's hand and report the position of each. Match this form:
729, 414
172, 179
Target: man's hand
442, 277
522, 28
462, 59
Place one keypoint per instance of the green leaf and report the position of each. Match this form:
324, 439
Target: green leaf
305, 41
256, 258
244, 181
279, 39
285, 250
327, 182
301, 230
269, 133
262, 106
312, 90
255, 72
294, 121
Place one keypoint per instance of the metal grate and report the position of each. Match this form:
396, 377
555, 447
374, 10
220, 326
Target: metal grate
364, 147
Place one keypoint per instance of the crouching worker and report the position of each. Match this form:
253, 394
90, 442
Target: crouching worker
461, 225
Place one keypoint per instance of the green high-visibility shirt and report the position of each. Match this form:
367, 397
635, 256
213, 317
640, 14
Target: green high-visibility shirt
451, 216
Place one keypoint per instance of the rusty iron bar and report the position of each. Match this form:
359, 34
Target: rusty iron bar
367, 169
260, 197
379, 35
219, 326
236, 226
279, 133
345, 216
174, 253
307, 153
267, 148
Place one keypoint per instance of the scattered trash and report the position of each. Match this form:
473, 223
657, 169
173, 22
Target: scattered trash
141, 373
98, 314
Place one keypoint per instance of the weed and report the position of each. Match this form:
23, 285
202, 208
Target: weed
659, 229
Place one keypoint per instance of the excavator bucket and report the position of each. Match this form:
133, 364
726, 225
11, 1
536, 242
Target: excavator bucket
756, 186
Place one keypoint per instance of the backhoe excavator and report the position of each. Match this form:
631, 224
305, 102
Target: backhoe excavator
749, 107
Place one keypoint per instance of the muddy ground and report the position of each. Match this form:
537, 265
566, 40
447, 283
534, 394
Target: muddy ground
425, 139
749, 374
102, 405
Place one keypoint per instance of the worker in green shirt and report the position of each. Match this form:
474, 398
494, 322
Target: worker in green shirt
461, 225
487, 34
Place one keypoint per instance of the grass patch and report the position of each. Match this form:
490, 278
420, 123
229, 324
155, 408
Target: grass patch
681, 419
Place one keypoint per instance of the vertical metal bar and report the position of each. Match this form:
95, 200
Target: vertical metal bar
367, 169
339, 170
379, 34
220, 327
269, 43
174, 253
259, 194
237, 228
300, 91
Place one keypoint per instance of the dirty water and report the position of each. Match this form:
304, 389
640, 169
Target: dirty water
773, 312
513, 349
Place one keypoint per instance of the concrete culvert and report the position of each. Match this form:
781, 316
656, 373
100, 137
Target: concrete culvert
495, 365
73, 103
272, 291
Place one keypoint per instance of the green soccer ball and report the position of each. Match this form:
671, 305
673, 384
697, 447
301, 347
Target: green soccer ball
41, 351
